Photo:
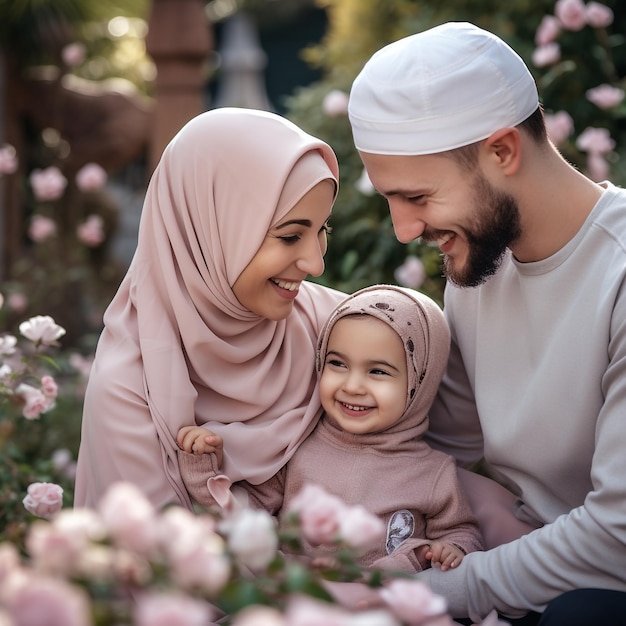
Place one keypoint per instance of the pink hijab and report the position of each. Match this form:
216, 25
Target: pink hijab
177, 346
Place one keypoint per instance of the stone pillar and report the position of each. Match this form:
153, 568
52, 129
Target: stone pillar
179, 41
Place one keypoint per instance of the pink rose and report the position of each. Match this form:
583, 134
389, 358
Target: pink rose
73, 54
548, 30
17, 302
546, 55
49, 387
8, 160
91, 231
196, 554
571, 13
43, 499
91, 177
605, 96
50, 601
412, 601
559, 126
320, 514
34, 401
252, 538
599, 15
41, 329
335, 103
598, 168
360, 529
171, 609
411, 273
306, 611
129, 517
595, 141
41, 228
48, 184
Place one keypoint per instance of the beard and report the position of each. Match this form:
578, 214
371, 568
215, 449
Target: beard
496, 225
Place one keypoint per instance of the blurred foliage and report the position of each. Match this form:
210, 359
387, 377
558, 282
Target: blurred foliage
35, 30
363, 248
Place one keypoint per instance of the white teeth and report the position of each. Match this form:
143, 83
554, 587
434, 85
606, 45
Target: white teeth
444, 239
352, 407
289, 286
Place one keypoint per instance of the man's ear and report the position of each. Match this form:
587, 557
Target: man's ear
503, 150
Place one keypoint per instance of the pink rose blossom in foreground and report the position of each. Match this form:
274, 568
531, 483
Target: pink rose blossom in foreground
252, 538
548, 30
571, 13
599, 15
41, 228
34, 401
195, 552
91, 177
306, 611
335, 103
546, 55
91, 231
73, 54
413, 602
360, 529
320, 514
129, 517
43, 499
41, 329
171, 609
40, 600
8, 160
559, 126
411, 273
605, 96
7, 345
595, 141
48, 184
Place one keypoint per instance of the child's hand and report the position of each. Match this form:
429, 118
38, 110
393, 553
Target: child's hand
199, 440
444, 555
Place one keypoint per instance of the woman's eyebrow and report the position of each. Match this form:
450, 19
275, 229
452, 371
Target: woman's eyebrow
307, 223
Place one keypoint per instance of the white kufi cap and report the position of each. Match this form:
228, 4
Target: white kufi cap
441, 89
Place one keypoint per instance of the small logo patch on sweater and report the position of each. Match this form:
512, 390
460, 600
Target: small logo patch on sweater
400, 527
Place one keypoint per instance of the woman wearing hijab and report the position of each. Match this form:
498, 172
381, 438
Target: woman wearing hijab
214, 323
381, 357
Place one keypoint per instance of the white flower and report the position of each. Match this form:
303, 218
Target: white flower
252, 538
7, 345
41, 329
364, 184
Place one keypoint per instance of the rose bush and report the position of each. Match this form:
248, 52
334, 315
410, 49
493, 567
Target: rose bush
128, 563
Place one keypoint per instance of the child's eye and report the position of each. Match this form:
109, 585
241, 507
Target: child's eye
379, 372
334, 363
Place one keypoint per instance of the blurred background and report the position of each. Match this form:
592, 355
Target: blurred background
91, 91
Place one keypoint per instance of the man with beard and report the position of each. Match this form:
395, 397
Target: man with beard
450, 130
